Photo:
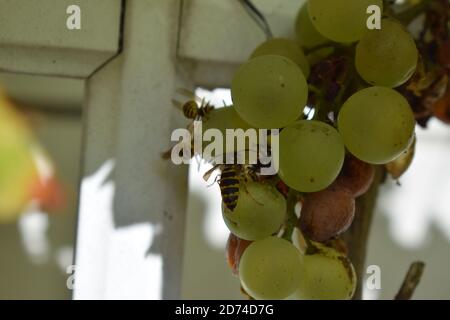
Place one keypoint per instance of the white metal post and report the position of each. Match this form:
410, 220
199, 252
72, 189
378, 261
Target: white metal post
132, 203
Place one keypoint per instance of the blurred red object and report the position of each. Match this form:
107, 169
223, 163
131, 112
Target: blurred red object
49, 194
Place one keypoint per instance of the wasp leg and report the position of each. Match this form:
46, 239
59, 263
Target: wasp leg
208, 173
217, 178
166, 155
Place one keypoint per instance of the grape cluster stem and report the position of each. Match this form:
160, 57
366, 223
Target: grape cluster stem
357, 235
291, 221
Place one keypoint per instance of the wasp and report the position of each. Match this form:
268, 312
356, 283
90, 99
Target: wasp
196, 108
230, 179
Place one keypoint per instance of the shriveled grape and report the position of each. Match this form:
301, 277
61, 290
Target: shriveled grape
327, 213
234, 250
400, 165
441, 109
356, 176
270, 268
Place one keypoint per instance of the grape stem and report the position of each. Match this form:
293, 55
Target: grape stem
357, 235
349, 79
319, 47
292, 222
291, 219
411, 281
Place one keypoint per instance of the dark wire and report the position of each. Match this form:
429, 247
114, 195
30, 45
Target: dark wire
257, 16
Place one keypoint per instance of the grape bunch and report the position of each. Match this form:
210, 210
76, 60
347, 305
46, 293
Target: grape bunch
341, 95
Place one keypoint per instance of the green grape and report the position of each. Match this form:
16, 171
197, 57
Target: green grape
341, 20
307, 34
377, 124
286, 48
270, 269
311, 155
326, 275
387, 57
223, 119
269, 92
259, 213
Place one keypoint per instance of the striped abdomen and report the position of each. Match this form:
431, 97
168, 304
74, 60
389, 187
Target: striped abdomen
190, 109
229, 186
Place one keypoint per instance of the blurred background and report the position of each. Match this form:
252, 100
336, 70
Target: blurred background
41, 120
